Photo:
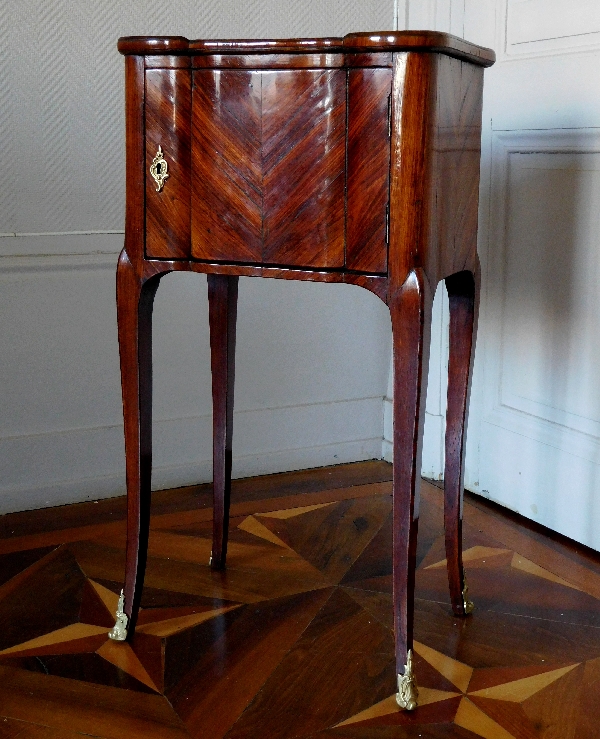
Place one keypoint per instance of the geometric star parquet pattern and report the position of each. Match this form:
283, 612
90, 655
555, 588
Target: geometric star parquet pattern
295, 638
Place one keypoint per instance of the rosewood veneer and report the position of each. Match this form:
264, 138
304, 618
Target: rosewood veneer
350, 159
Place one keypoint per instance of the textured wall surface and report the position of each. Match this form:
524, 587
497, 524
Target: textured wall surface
302, 399
61, 91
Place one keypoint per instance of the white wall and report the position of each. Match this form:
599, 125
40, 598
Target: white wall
534, 426
313, 359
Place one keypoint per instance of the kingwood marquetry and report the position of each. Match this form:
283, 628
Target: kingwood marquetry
350, 160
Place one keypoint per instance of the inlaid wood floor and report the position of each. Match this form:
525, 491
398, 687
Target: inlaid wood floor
295, 639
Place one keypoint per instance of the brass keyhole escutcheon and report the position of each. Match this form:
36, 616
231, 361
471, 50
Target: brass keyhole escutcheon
158, 169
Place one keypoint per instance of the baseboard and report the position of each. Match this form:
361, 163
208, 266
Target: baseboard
111, 486
432, 461
76, 465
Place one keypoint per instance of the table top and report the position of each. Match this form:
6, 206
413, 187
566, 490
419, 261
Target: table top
382, 41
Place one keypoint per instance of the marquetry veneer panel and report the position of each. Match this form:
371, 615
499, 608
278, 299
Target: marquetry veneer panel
226, 162
268, 166
368, 168
168, 120
304, 119
457, 150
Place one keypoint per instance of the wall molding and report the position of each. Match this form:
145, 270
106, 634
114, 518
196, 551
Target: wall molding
432, 461
43, 264
513, 42
540, 422
71, 243
64, 492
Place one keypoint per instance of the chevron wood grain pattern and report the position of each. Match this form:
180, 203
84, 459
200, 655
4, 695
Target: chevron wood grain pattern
227, 188
268, 167
303, 160
313, 657
369, 99
168, 125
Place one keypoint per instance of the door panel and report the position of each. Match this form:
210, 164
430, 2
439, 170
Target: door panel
268, 166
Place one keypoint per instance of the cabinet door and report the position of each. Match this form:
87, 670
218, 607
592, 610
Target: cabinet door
368, 169
268, 158
168, 123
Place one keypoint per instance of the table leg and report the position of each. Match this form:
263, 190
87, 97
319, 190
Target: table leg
462, 291
222, 308
410, 310
135, 299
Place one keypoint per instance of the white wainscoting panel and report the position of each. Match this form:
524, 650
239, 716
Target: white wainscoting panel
436, 15
546, 216
547, 485
539, 441
534, 27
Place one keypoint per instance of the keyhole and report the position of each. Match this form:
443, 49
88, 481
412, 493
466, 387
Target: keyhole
159, 168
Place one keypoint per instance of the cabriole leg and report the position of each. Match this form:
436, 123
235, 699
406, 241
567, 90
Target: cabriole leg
410, 309
134, 314
462, 292
222, 308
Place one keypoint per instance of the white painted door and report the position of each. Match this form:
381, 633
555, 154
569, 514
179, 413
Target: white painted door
534, 431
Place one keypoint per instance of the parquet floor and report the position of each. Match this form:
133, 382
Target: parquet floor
295, 639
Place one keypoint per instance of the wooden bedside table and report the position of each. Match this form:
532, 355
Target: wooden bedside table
338, 160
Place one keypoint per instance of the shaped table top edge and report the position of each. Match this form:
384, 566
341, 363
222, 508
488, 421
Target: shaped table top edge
382, 41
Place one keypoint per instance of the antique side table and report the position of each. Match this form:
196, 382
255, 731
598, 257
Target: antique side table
350, 159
